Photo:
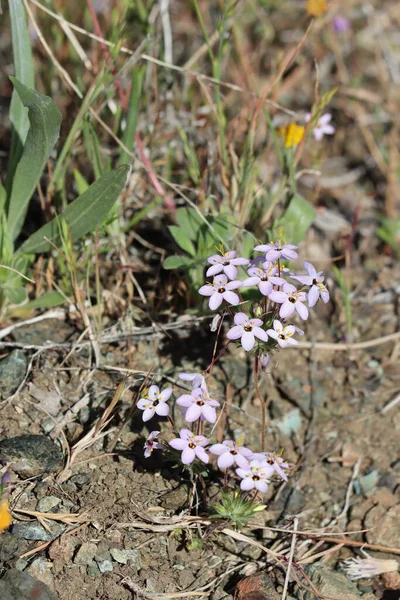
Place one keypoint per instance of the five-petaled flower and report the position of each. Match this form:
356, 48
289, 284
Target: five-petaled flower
276, 250
155, 402
315, 280
151, 444
283, 335
221, 289
274, 461
192, 446
322, 126
256, 475
229, 453
248, 330
226, 263
198, 404
292, 134
291, 299
265, 278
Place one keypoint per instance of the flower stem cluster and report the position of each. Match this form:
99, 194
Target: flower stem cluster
261, 327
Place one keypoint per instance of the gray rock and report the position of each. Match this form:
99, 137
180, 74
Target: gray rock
41, 569
126, 556
12, 373
385, 524
31, 455
11, 547
105, 566
17, 585
80, 479
331, 584
85, 554
47, 504
93, 570
35, 531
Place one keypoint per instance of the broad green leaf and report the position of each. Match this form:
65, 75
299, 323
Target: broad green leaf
46, 301
190, 221
16, 295
296, 220
248, 243
45, 120
177, 262
23, 70
182, 240
3, 197
84, 214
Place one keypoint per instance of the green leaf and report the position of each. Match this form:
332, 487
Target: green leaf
182, 240
46, 301
190, 222
84, 214
177, 262
296, 220
23, 70
45, 120
16, 295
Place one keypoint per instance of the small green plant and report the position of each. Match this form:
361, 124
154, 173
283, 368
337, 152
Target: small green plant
199, 237
236, 509
36, 124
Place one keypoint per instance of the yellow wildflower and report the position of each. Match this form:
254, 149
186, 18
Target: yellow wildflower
292, 134
316, 7
5, 515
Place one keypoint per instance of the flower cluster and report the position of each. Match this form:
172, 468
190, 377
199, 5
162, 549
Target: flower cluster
281, 298
254, 469
199, 407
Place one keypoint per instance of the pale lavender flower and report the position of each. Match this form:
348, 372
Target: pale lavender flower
256, 475
315, 280
229, 454
265, 278
225, 263
151, 444
291, 299
196, 379
322, 127
276, 462
283, 335
276, 250
220, 289
340, 24
191, 445
155, 402
198, 404
248, 330
365, 568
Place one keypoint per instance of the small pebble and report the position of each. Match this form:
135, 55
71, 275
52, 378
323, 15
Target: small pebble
47, 504
85, 554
